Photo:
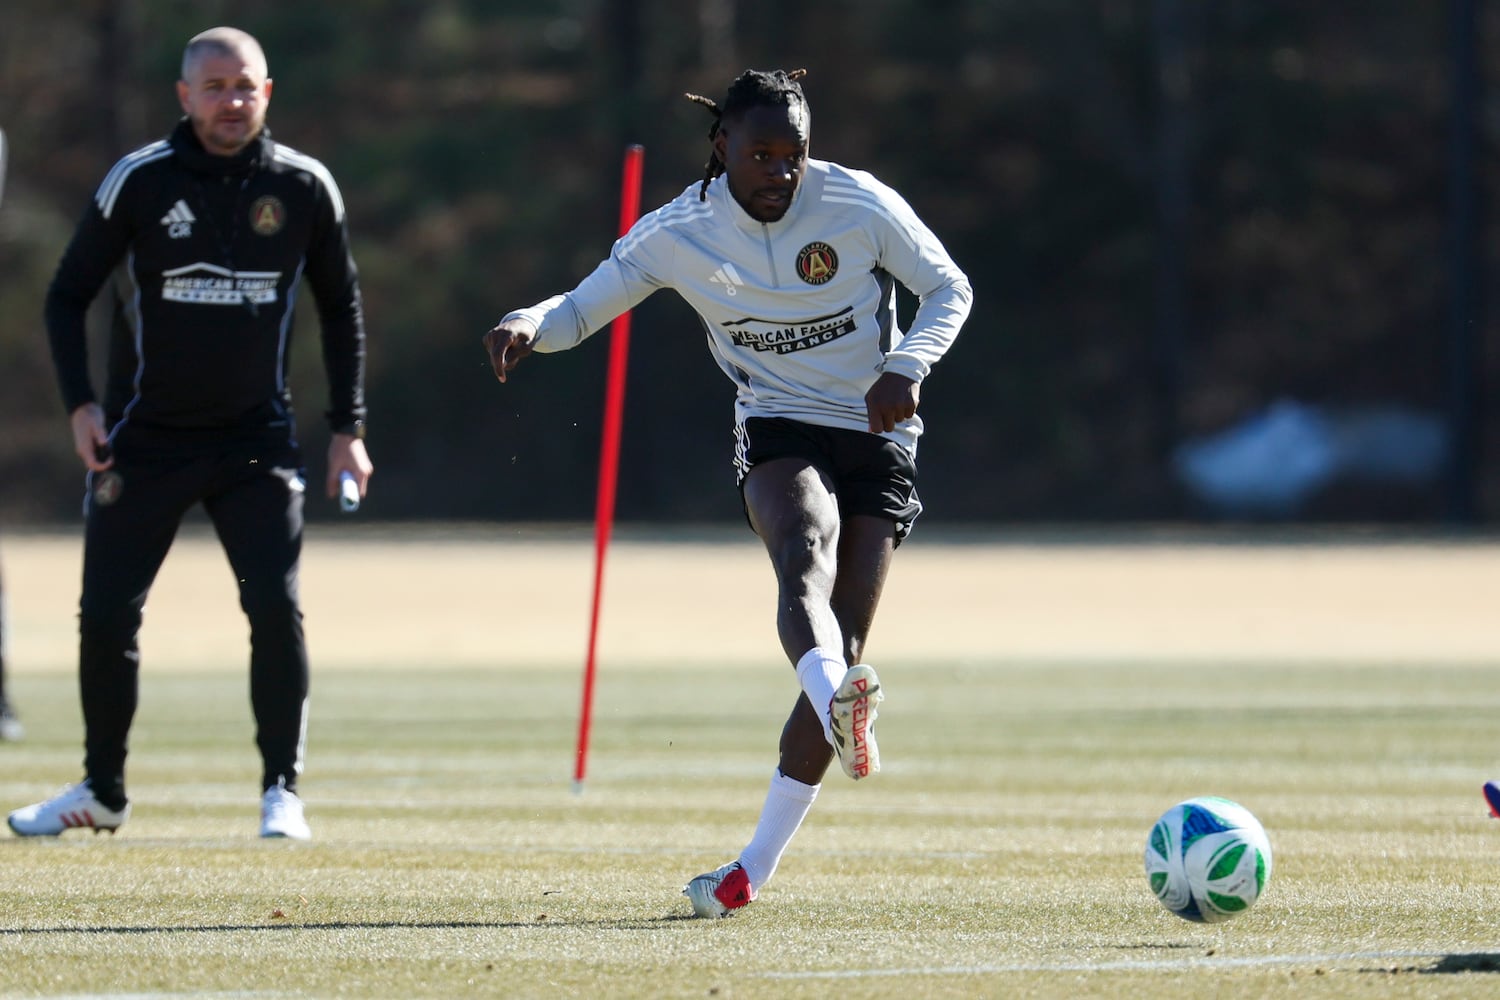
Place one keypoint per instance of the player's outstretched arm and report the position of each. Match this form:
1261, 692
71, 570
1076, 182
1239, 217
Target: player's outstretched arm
507, 344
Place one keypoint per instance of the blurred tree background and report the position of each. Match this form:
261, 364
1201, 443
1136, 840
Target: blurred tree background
1173, 213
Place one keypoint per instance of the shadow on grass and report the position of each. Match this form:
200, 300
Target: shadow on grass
1447, 965
1476, 962
652, 923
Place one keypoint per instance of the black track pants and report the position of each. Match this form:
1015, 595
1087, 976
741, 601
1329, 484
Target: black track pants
255, 501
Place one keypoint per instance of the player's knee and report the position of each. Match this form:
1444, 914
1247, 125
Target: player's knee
805, 552
99, 623
270, 607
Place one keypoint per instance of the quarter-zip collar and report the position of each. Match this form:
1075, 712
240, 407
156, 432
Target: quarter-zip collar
255, 155
719, 189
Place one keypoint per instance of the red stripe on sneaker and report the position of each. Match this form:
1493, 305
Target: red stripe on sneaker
859, 719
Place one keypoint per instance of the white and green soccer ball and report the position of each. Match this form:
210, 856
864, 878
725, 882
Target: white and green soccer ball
1208, 859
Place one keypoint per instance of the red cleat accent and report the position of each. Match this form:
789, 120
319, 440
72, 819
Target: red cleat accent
735, 892
720, 892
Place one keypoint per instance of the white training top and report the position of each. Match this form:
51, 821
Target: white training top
801, 312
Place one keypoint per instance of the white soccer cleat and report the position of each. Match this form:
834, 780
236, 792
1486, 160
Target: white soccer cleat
720, 892
852, 720
75, 807
281, 814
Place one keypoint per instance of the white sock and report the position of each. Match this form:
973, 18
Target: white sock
819, 672
786, 806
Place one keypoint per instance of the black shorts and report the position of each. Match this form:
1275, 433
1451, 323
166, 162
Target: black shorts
871, 474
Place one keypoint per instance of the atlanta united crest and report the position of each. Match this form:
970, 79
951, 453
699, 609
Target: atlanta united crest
107, 487
817, 263
267, 215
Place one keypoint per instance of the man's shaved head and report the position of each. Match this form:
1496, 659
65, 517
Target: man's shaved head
224, 41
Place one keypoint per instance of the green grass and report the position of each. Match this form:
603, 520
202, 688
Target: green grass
998, 854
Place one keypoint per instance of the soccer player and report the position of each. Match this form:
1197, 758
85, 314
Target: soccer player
791, 264
206, 233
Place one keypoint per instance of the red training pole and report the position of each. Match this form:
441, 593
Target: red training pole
609, 459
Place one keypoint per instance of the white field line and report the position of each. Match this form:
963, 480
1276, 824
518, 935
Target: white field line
1125, 965
236, 995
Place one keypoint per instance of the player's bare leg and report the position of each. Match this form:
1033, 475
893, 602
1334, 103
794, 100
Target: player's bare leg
829, 580
792, 509
865, 549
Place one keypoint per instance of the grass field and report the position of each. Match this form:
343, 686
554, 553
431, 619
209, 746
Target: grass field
1046, 701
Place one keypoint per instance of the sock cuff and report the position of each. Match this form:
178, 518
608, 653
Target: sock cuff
824, 663
816, 655
792, 788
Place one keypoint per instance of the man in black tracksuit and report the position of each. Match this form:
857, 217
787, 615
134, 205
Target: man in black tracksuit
204, 236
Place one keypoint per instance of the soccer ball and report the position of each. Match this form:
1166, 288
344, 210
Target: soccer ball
1208, 859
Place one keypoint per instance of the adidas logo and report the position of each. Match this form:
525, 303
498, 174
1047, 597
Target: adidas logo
179, 221
728, 277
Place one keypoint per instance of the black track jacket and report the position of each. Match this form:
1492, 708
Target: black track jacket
207, 253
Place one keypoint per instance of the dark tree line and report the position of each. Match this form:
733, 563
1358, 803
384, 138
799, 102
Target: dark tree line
1173, 214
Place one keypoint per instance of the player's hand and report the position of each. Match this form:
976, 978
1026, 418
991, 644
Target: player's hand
892, 399
346, 453
90, 439
507, 344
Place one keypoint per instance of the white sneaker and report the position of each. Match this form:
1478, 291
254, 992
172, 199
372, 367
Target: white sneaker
281, 814
720, 892
11, 730
852, 718
73, 807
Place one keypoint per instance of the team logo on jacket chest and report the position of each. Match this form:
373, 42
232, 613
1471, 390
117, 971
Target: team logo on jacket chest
267, 215
817, 263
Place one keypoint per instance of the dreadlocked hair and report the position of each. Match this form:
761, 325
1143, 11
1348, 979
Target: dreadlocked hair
753, 88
